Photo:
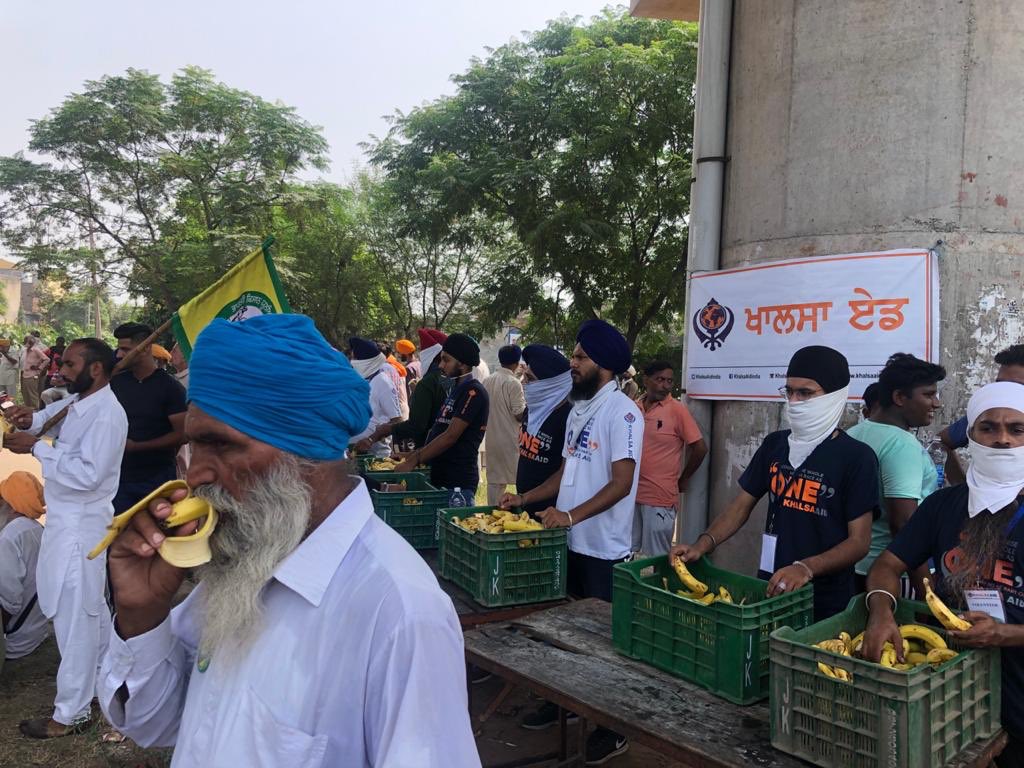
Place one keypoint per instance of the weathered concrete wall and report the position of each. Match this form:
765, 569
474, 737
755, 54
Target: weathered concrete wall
878, 124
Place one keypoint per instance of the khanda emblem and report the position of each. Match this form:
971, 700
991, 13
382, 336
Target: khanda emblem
712, 323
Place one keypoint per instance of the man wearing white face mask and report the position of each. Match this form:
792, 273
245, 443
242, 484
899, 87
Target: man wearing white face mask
972, 533
822, 488
542, 432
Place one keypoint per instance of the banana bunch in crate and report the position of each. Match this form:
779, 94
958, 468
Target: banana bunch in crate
498, 521
696, 589
921, 645
381, 465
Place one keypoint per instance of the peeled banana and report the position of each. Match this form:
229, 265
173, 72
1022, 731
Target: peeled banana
941, 611
689, 580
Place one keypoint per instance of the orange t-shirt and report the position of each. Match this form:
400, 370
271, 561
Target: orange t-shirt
668, 428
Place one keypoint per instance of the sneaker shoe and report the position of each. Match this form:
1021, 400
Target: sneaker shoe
603, 745
546, 716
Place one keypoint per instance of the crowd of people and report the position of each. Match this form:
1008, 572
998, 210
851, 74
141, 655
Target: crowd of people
315, 635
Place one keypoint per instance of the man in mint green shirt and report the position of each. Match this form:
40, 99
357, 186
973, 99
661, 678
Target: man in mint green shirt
907, 399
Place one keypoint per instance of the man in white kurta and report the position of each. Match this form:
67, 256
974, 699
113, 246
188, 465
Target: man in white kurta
356, 655
81, 470
501, 440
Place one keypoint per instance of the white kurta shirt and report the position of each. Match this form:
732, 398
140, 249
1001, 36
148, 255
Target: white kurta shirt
19, 552
81, 471
360, 663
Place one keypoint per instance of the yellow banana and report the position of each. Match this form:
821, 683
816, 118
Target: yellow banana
724, 595
940, 655
888, 657
915, 658
845, 637
689, 580
903, 667
515, 526
834, 646
941, 611
826, 669
929, 637
842, 674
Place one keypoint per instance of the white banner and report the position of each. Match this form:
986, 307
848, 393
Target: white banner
746, 323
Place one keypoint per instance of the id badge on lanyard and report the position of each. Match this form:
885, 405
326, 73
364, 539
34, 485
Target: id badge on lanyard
990, 601
768, 542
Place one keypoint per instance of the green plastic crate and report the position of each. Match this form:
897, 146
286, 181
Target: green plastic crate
416, 523
885, 717
722, 647
495, 569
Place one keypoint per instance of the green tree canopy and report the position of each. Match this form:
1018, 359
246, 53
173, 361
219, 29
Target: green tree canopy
580, 137
174, 181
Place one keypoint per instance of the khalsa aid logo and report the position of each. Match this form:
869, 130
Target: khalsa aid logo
713, 323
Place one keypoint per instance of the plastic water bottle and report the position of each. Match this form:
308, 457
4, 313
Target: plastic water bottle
456, 499
938, 456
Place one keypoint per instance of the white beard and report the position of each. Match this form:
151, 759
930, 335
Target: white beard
252, 537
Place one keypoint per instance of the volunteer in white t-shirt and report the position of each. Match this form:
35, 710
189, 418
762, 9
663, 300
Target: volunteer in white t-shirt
596, 486
371, 364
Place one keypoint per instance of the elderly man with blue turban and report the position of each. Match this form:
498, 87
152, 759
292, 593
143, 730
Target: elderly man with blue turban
316, 635
595, 487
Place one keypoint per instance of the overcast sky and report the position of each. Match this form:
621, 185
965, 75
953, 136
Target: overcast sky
341, 64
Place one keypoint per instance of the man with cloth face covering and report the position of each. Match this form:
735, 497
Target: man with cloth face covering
972, 533
822, 488
316, 635
454, 439
595, 487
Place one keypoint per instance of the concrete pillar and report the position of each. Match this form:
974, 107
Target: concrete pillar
873, 124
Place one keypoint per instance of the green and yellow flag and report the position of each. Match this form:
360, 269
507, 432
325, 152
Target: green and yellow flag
251, 287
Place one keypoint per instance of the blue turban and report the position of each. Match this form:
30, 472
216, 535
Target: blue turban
545, 361
604, 345
270, 398
510, 354
363, 349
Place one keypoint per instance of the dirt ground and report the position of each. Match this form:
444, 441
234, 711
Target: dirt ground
27, 689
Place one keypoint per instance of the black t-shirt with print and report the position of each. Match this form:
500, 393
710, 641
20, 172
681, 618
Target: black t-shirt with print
457, 467
540, 455
809, 511
148, 404
934, 533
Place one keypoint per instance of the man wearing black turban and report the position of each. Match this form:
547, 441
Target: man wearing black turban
822, 488
454, 439
595, 487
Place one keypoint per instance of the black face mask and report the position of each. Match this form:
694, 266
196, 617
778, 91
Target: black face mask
82, 383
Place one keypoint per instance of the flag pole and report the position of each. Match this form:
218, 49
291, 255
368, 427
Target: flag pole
123, 363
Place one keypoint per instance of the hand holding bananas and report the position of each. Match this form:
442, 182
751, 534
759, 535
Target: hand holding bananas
144, 583
555, 518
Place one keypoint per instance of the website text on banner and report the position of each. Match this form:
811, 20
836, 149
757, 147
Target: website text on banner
251, 287
746, 323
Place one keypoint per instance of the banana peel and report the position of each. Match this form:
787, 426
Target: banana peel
180, 551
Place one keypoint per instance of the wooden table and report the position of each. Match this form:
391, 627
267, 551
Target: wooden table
565, 655
471, 613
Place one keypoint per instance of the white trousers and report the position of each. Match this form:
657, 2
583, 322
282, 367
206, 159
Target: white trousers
82, 639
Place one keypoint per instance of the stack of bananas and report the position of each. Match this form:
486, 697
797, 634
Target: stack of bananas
696, 589
498, 521
381, 465
921, 645
411, 501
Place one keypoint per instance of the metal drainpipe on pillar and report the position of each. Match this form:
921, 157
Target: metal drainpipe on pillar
705, 237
